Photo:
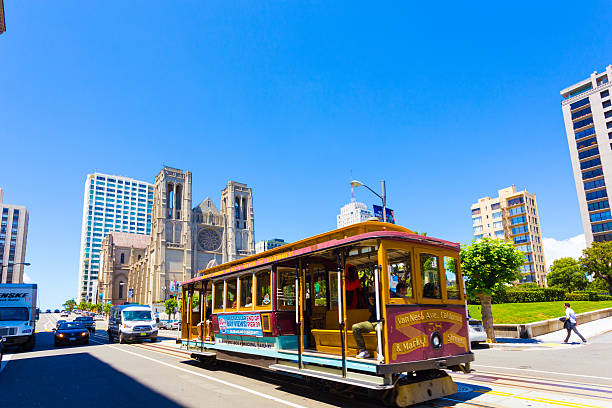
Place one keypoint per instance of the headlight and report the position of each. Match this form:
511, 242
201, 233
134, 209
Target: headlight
24, 331
60, 335
154, 326
84, 334
127, 326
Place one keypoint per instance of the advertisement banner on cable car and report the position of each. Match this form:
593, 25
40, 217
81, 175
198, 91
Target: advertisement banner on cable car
378, 213
241, 324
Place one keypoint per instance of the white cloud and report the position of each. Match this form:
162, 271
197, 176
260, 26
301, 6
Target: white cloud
26, 278
554, 249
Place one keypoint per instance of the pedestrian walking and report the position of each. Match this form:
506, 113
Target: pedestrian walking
570, 323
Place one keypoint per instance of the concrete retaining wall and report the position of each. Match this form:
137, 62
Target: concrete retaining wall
531, 330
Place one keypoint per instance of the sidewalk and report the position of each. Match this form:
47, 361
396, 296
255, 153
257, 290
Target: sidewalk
555, 339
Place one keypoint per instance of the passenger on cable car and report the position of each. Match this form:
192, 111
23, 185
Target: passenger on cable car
365, 327
400, 290
353, 288
431, 290
207, 322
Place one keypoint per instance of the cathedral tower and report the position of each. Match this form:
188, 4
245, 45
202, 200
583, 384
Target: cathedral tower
237, 209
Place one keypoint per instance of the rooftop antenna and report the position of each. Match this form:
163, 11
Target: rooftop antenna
352, 189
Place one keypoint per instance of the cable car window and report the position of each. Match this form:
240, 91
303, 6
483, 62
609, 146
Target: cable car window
246, 291
333, 290
262, 289
452, 285
231, 302
286, 288
218, 301
320, 288
430, 274
400, 275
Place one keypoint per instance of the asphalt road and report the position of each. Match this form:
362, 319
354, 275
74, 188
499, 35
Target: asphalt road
139, 375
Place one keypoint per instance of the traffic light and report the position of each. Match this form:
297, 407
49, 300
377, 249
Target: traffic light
2, 25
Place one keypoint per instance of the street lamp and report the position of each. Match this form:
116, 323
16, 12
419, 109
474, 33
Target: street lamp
383, 197
12, 264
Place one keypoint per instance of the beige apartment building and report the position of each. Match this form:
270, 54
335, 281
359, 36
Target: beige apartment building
513, 216
587, 112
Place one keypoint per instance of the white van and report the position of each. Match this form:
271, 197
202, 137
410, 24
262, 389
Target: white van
131, 323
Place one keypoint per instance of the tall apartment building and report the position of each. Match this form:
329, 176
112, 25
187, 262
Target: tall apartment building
587, 112
352, 213
513, 216
110, 203
13, 236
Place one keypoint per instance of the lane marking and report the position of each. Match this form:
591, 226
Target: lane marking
5, 359
545, 372
217, 380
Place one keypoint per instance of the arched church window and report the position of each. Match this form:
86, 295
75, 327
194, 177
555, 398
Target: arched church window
121, 284
122, 258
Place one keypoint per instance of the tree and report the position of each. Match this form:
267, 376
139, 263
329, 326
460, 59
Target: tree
487, 264
170, 305
106, 308
597, 261
69, 305
597, 285
566, 273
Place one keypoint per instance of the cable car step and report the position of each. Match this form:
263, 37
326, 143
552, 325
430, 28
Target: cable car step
195, 354
329, 376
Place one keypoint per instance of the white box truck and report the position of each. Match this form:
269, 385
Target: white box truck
18, 314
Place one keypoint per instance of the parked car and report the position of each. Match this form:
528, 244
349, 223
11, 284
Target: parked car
476, 331
59, 322
169, 324
56, 311
88, 322
71, 333
48, 311
64, 314
98, 317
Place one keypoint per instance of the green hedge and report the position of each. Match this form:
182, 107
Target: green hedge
530, 294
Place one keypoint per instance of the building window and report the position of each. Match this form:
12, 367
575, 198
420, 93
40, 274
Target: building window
590, 163
594, 184
497, 225
477, 229
495, 206
583, 123
599, 205
121, 284
584, 133
606, 104
592, 173
605, 93
606, 226
579, 103
586, 143
581, 112
476, 211
515, 201
122, 259
596, 194
600, 216
476, 220
588, 153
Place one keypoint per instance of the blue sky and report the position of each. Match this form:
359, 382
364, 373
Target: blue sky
446, 102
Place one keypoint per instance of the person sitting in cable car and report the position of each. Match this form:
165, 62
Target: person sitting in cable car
400, 290
365, 327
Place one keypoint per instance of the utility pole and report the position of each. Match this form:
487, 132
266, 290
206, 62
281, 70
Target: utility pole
2, 25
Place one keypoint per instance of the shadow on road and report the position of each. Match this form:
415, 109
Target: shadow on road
73, 380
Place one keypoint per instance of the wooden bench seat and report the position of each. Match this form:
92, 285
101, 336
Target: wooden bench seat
328, 340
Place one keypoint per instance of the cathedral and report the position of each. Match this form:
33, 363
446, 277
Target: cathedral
183, 240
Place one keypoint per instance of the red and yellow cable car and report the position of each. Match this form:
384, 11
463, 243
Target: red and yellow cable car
300, 309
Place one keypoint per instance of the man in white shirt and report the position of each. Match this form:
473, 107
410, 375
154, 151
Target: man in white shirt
570, 317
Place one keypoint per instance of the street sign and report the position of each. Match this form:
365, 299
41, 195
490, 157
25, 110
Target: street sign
378, 213
131, 293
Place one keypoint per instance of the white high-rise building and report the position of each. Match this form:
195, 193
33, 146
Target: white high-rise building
111, 203
352, 213
13, 235
587, 111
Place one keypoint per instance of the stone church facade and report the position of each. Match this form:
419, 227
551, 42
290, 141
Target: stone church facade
185, 240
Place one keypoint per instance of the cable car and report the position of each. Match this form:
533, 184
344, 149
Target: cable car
371, 307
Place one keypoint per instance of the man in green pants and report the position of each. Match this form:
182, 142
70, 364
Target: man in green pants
365, 327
